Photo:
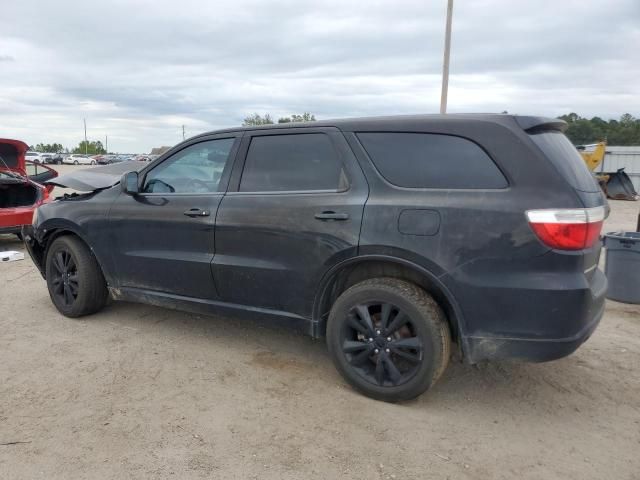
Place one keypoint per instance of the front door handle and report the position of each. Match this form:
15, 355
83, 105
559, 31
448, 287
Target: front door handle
330, 215
196, 212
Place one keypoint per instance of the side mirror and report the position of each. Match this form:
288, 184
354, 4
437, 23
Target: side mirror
129, 183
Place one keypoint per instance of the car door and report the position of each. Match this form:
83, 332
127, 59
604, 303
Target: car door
293, 209
163, 237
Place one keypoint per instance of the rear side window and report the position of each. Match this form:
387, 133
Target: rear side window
296, 162
424, 160
557, 148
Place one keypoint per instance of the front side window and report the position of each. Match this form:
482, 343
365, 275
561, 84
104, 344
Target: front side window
195, 169
293, 162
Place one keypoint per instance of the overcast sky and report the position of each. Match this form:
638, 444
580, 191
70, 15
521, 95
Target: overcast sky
139, 70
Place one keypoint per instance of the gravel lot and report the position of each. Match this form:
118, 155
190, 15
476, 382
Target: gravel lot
141, 392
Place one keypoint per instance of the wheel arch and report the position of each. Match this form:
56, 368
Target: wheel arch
357, 269
67, 230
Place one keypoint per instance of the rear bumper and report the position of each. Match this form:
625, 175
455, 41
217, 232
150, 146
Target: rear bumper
560, 323
7, 230
529, 349
12, 219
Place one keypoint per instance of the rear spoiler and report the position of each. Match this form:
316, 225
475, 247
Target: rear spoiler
540, 124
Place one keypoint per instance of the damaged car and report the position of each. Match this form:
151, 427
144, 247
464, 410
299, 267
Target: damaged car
397, 239
21, 189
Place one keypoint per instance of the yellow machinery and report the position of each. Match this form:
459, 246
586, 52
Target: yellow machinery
616, 185
595, 157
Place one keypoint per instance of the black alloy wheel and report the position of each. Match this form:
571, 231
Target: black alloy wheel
388, 338
74, 278
64, 277
380, 342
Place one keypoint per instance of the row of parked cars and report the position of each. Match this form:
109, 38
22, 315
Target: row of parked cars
78, 159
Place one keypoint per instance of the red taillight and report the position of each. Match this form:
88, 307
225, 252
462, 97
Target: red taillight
567, 229
45, 195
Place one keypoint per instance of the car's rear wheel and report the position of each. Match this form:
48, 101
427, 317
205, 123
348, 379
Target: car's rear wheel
388, 338
74, 279
93, 162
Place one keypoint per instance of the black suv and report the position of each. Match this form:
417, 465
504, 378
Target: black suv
397, 238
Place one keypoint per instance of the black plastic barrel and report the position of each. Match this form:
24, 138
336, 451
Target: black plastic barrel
623, 266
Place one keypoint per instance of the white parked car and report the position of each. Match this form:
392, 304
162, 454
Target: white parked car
34, 157
77, 159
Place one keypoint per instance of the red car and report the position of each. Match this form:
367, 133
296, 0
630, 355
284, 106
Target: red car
21, 191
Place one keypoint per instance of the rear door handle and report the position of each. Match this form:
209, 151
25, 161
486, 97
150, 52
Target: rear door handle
196, 212
330, 215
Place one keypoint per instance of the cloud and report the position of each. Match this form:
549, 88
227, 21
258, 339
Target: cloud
139, 70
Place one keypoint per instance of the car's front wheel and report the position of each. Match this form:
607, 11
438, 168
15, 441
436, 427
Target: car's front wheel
388, 338
74, 279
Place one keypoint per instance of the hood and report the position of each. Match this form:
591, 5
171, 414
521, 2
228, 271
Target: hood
96, 178
12, 155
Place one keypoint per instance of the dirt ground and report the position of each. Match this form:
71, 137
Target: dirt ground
141, 392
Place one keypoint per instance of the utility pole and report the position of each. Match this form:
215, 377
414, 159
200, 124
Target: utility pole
106, 143
445, 66
182, 132
85, 135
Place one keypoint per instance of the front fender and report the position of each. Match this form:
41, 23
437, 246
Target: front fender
57, 218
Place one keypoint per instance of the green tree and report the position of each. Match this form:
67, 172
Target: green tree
627, 120
90, 148
305, 117
49, 148
256, 119
581, 131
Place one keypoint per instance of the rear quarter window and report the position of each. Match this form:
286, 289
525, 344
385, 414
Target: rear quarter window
425, 160
561, 152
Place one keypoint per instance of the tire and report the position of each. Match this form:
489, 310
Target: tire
69, 267
75, 162
93, 162
417, 344
19, 235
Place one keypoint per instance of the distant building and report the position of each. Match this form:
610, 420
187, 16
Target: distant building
159, 150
